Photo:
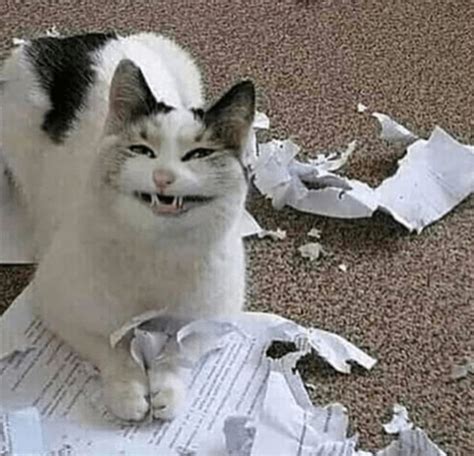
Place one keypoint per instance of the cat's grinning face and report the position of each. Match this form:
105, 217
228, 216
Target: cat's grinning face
174, 168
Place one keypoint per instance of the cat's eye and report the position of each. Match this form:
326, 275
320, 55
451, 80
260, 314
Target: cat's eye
142, 150
197, 153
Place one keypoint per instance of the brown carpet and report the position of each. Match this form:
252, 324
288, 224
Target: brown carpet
406, 299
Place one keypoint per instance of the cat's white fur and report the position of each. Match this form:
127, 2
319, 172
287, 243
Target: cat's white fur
103, 257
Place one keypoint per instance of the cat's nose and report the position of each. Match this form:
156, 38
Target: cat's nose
162, 178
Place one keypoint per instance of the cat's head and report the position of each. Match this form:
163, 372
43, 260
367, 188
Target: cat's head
173, 169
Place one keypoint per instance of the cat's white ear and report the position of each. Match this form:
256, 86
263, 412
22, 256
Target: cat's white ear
130, 97
231, 117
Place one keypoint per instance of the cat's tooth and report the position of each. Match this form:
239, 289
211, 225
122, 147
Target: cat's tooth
154, 200
180, 202
175, 201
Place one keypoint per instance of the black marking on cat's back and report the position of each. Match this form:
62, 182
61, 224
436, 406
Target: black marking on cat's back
64, 67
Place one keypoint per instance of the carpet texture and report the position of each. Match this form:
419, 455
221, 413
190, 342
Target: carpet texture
406, 299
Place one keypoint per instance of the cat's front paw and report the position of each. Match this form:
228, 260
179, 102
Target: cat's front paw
168, 394
126, 399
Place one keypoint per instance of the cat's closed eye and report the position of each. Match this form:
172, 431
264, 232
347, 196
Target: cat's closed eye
197, 153
142, 150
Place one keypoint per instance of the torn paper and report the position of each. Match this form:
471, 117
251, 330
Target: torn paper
312, 251
310, 431
342, 267
228, 381
21, 433
275, 235
334, 160
433, 177
391, 131
399, 422
413, 442
410, 442
337, 351
315, 233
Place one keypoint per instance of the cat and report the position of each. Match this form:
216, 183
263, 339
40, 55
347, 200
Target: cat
135, 191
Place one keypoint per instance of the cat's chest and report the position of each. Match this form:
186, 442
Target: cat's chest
183, 281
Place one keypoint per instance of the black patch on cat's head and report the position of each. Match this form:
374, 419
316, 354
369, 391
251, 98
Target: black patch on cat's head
130, 95
64, 68
232, 115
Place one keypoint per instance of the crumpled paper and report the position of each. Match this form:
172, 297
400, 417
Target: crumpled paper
433, 177
390, 130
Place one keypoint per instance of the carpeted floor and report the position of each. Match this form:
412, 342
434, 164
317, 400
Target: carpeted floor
406, 299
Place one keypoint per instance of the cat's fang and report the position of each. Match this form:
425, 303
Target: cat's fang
154, 200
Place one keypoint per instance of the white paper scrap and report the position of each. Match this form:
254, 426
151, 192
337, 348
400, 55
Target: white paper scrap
129, 326
392, 131
249, 226
432, 178
312, 251
333, 161
412, 442
399, 422
21, 433
336, 350
342, 267
315, 233
289, 182
275, 235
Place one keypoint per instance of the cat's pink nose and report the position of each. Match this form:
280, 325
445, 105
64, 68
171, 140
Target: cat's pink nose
162, 178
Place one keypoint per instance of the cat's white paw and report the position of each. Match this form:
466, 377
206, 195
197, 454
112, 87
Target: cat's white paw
168, 393
126, 399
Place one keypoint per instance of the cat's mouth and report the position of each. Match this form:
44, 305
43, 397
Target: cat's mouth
171, 205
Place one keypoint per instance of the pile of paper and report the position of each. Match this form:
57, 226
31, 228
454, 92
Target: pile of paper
240, 402
433, 177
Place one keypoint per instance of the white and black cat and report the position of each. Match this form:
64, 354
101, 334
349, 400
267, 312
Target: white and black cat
135, 192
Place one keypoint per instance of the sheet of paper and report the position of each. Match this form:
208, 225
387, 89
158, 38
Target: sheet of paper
21, 433
433, 178
227, 382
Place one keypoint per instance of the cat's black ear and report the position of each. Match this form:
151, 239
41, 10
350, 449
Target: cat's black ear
130, 96
231, 117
